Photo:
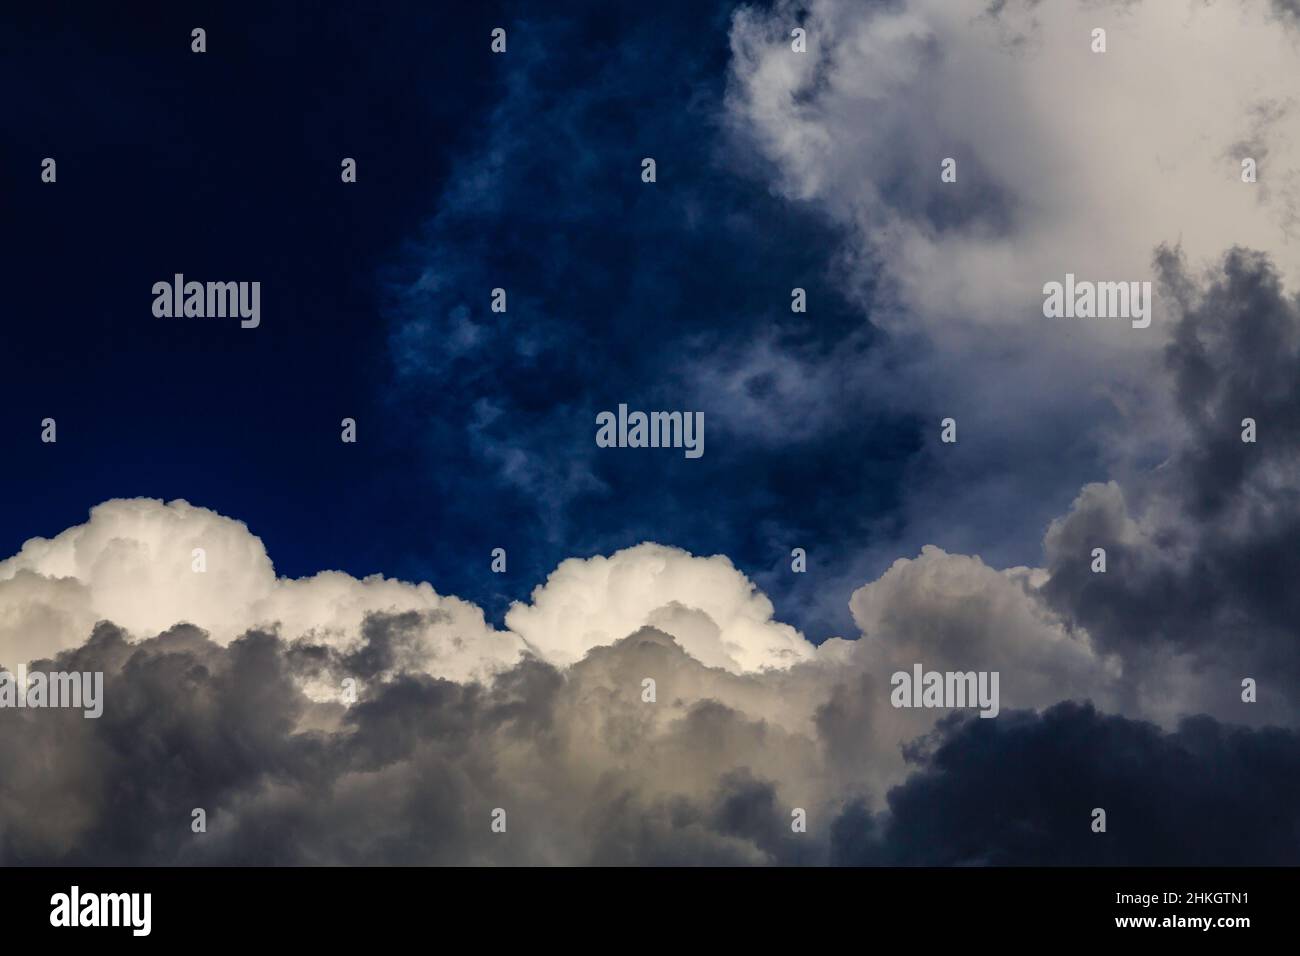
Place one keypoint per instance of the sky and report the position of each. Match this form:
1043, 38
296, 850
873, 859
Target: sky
382, 293
776, 168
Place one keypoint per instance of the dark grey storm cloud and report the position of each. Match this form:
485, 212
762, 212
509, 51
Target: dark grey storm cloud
1021, 790
1288, 11
411, 773
1203, 556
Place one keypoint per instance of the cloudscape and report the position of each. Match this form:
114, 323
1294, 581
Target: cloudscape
823, 433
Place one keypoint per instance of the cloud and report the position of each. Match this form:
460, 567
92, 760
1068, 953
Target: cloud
1201, 550
953, 612
233, 704
223, 687
546, 719
589, 773
1021, 791
411, 772
712, 610
132, 563
1068, 161
1085, 165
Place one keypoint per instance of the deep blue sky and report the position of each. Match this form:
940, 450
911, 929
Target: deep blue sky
475, 171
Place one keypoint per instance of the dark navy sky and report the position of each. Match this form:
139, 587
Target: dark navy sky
475, 171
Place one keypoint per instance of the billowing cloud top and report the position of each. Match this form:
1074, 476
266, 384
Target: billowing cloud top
709, 607
136, 563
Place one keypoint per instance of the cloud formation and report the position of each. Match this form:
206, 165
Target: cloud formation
1086, 164
1010, 793
133, 563
1068, 161
712, 610
587, 772
1201, 549
225, 688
